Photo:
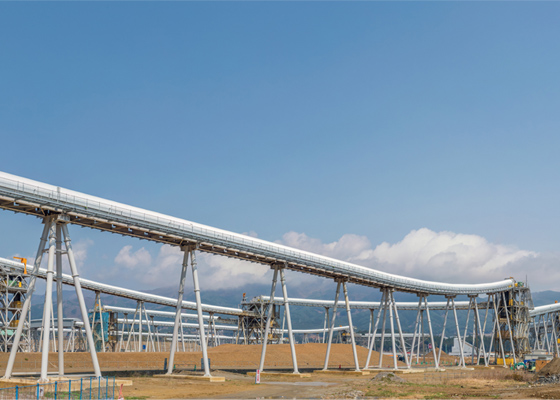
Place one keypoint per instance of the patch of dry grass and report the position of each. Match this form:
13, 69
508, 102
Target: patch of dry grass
501, 374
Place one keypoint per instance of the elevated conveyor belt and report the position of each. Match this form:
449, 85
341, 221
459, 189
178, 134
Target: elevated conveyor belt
128, 293
169, 314
36, 198
540, 310
225, 327
366, 305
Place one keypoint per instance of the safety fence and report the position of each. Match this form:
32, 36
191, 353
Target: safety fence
83, 389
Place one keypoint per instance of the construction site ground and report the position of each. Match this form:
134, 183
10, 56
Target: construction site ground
234, 361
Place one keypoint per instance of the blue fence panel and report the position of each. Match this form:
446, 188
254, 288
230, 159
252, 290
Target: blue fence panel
78, 389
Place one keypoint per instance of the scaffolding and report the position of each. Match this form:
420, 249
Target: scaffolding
513, 323
252, 326
13, 288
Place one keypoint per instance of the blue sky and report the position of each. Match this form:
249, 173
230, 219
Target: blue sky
371, 119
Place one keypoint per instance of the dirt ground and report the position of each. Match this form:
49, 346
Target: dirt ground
494, 382
454, 384
228, 356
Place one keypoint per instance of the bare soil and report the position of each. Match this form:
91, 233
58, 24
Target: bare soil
552, 368
453, 383
228, 356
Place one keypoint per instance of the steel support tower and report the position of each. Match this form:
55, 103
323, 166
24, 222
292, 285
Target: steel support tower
513, 321
252, 327
13, 291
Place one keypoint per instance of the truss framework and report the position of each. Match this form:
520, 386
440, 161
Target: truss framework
13, 292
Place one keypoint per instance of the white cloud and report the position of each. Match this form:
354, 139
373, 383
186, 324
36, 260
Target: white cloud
133, 259
438, 256
164, 270
80, 249
424, 254
448, 256
349, 246
222, 272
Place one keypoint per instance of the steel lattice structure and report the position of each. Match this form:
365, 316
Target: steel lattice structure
13, 292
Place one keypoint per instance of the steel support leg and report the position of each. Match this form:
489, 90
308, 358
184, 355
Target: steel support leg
393, 344
546, 336
60, 315
100, 313
492, 334
474, 336
382, 345
182, 333
458, 333
268, 318
331, 327
281, 339
200, 317
443, 330
481, 335
497, 327
374, 332
239, 318
536, 345
511, 336
48, 304
150, 336
403, 345
178, 310
53, 329
545, 333
157, 336
349, 313
370, 326
27, 303
131, 330
141, 329
554, 335
421, 336
325, 322
125, 319
79, 294
288, 320
467, 324
487, 360
416, 324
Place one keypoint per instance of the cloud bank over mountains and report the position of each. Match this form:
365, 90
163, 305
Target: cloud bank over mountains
424, 254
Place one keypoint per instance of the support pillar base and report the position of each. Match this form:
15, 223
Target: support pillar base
282, 374
406, 370
341, 372
193, 377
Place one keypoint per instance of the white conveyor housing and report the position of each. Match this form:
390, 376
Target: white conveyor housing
364, 305
32, 197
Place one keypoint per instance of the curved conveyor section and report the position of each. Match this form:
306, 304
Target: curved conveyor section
364, 305
544, 309
36, 198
